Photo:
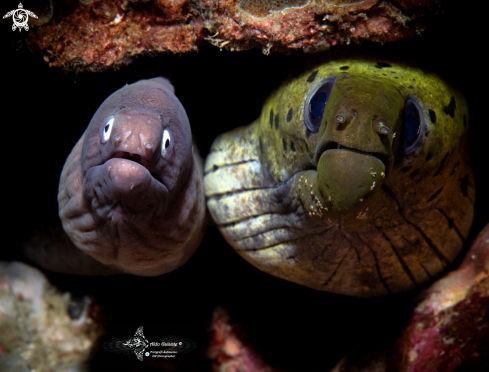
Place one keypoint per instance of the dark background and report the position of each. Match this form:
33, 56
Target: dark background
44, 111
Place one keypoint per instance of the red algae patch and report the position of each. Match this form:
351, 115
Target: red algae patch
100, 34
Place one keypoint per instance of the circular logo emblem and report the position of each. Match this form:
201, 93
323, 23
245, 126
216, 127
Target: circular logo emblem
20, 17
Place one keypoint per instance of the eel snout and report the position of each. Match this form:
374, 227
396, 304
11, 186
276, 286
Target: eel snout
135, 138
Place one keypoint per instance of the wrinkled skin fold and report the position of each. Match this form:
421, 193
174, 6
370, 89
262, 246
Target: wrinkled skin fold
355, 179
131, 192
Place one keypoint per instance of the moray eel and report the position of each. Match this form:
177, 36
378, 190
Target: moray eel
355, 179
131, 192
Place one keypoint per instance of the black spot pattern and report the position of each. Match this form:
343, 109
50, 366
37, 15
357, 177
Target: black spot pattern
450, 109
276, 121
464, 185
214, 168
284, 144
432, 116
449, 220
442, 165
454, 168
382, 65
289, 115
344, 68
437, 192
311, 77
428, 157
406, 169
271, 118
292, 145
414, 174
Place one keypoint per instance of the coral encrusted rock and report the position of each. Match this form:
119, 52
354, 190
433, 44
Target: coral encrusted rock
448, 329
98, 34
42, 329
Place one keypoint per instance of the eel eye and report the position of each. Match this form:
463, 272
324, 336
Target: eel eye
107, 129
413, 125
166, 143
316, 102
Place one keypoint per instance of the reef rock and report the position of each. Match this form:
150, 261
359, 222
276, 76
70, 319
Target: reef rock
227, 349
42, 329
449, 328
98, 34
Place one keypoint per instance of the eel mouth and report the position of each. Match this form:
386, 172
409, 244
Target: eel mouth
135, 158
331, 145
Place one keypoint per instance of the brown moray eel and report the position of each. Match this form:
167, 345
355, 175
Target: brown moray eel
355, 179
131, 192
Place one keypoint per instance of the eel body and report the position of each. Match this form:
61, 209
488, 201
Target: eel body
131, 192
355, 179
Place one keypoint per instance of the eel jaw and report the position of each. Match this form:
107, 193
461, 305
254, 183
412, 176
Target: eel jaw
138, 159
348, 177
133, 157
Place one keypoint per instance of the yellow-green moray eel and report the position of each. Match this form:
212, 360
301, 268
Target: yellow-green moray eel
355, 179
131, 192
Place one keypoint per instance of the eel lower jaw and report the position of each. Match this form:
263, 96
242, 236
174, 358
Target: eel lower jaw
126, 182
346, 177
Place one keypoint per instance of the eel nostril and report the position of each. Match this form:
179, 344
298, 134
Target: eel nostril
117, 139
381, 128
148, 146
343, 119
384, 130
339, 119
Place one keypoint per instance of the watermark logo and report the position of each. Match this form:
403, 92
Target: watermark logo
166, 347
138, 343
20, 17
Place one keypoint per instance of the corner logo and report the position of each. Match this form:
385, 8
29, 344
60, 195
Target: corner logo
20, 17
137, 344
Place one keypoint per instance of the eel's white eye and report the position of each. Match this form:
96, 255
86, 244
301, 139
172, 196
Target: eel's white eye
166, 143
107, 129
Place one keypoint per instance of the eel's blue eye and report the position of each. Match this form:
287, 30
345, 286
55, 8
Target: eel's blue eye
413, 125
316, 107
315, 104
